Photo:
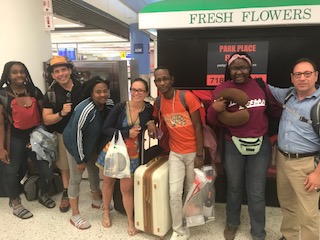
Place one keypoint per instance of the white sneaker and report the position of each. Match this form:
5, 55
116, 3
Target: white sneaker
177, 236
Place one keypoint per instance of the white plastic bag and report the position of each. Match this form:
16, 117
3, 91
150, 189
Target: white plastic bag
199, 203
117, 161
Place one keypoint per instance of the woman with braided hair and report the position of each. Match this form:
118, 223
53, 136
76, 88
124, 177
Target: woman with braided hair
15, 138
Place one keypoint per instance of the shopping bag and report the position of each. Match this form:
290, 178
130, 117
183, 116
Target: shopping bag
117, 160
199, 203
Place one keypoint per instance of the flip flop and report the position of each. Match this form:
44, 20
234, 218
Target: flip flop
80, 223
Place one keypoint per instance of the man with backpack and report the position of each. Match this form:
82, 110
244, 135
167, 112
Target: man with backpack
185, 142
298, 172
58, 104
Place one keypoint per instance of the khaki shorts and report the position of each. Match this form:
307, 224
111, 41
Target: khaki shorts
62, 160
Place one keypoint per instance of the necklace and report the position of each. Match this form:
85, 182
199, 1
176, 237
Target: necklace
137, 120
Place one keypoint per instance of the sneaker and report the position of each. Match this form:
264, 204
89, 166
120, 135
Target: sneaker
177, 236
46, 201
229, 232
64, 203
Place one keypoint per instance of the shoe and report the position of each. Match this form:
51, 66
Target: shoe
282, 238
64, 203
229, 232
177, 236
46, 201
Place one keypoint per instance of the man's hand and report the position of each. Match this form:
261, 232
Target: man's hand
312, 182
152, 130
198, 161
81, 167
67, 107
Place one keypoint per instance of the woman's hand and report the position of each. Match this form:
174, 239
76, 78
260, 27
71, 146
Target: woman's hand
4, 156
219, 104
134, 131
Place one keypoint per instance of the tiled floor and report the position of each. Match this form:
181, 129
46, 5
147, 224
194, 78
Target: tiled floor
51, 224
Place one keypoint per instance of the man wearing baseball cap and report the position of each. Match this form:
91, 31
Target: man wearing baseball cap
58, 104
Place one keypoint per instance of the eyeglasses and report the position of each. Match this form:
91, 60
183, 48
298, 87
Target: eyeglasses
165, 79
140, 91
298, 75
242, 69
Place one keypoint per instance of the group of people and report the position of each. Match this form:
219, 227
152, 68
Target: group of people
247, 149
83, 117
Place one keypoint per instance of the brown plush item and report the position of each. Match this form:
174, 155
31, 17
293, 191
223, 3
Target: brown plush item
234, 118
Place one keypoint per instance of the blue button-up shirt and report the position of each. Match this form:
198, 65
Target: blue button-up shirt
294, 135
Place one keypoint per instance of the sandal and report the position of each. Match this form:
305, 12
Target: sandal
21, 212
79, 222
46, 201
106, 221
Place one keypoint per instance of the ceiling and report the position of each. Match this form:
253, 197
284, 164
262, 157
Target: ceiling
97, 27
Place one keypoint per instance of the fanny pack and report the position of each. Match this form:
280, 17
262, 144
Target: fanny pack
248, 146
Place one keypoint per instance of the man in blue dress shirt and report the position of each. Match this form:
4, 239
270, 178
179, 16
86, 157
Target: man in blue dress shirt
298, 177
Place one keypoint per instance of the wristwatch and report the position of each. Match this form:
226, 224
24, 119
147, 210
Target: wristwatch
60, 114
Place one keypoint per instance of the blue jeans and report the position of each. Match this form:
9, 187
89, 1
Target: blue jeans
248, 171
18, 165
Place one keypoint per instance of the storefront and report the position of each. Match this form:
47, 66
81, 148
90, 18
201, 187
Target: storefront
196, 37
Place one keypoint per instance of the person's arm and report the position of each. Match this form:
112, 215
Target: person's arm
196, 120
109, 125
50, 118
4, 156
215, 107
151, 124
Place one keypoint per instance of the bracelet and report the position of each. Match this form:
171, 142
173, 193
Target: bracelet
60, 114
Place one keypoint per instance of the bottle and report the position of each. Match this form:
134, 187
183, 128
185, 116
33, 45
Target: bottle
208, 205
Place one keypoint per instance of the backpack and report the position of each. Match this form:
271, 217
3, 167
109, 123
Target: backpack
25, 112
31, 186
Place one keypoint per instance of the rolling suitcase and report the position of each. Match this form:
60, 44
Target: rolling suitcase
151, 193
151, 197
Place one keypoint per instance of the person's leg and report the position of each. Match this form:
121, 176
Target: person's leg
45, 180
10, 175
73, 192
256, 175
126, 187
62, 164
288, 200
177, 173
308, 212
107, 191
94, 180
234, 164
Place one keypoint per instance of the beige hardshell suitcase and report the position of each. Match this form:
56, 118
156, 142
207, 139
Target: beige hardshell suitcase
151, 197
